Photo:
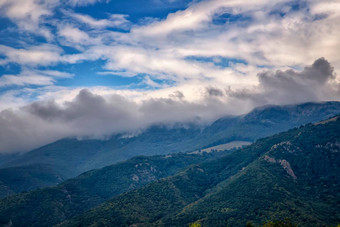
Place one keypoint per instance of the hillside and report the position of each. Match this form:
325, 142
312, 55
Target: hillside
49, 206
70, 157
24, 178
292, 175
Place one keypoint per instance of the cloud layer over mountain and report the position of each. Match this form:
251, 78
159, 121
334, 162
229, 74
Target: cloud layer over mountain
98, 116
94, 67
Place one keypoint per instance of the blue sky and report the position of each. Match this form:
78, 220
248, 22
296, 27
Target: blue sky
162, 60
85, 74
157, 44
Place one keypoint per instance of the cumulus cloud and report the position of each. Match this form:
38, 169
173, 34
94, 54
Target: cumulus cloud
98, 116
22, 131
183, 46
269, 33
213, 58
313, 83
94, 116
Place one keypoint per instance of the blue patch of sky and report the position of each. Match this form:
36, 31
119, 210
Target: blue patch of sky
7, 32
86, 74
29, 94
297, 67
4, 89
143, 86
9, 35
265, 66
319, 17
35, 39
5, 23
228, 18
9, 69
70, 50
294, 6
136, 9
218, 61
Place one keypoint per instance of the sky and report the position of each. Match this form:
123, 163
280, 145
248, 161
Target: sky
90, 68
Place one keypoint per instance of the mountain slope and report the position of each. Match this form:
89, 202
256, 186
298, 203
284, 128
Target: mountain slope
297, 178
71, 157
268, 120
290, 175
25, 178
49, 206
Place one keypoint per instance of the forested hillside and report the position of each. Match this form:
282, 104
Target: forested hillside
49, 206
291, 175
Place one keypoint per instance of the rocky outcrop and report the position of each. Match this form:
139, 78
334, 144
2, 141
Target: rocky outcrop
284, 163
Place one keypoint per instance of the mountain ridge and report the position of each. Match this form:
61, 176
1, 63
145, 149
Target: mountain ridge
301, 172
68, 158
160, 140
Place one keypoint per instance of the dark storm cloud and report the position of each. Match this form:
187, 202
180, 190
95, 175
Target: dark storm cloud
313, 83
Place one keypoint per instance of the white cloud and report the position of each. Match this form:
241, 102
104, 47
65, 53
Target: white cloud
167, 49
215, 64
25, 79
163, 49
83, 2
114, 21
72, 36
99, 112
55, 73
329, 7
198, 16
33, 77
28, 14
45, 54
95, 116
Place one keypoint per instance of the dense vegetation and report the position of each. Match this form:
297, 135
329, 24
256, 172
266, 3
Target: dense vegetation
48, 206
291, 175
25, 178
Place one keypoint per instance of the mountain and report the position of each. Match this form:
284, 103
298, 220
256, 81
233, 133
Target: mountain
73, 157
4, 158
294, 175
24, 178
70, 157
268, 120
52, 205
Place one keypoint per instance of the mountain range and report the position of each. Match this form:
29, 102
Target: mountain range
70, 157
294, 174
